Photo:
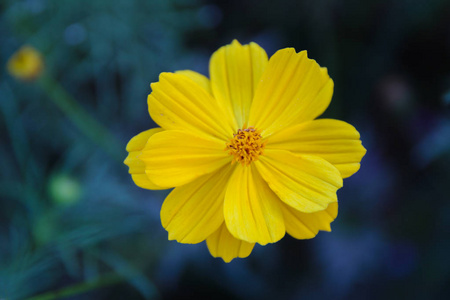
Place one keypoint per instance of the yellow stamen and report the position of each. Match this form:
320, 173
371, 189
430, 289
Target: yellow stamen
246, 145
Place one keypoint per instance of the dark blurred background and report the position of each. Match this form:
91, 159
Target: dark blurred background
72, 223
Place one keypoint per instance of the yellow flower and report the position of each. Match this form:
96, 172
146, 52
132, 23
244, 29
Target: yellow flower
25, 64
243, 150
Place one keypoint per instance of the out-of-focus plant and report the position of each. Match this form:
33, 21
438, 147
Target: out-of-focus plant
70, 220
26, 64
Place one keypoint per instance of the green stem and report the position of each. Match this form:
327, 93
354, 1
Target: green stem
85, 123
80, 288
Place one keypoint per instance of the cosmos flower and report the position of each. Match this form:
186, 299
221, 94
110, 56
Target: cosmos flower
26, 64
243, 150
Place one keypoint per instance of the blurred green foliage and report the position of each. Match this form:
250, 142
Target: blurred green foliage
68, 207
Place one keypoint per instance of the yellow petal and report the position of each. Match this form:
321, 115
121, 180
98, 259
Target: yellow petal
252, 211
235, 72
177, 102
136, 166
335, 141
293, 89
198, 78
307, 183
222, 244
174, 158
137, 143
194, 211
306, 226
141, 180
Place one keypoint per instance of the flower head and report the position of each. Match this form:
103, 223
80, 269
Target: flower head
26, 64
243, 150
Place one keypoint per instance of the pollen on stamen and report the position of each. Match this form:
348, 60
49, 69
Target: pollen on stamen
246, 145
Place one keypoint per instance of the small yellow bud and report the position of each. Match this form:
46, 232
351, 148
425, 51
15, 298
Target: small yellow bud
26, 64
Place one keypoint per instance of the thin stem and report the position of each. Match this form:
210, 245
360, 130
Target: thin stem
80, 288
80, 118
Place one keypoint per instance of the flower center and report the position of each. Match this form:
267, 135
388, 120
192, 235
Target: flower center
246, 145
